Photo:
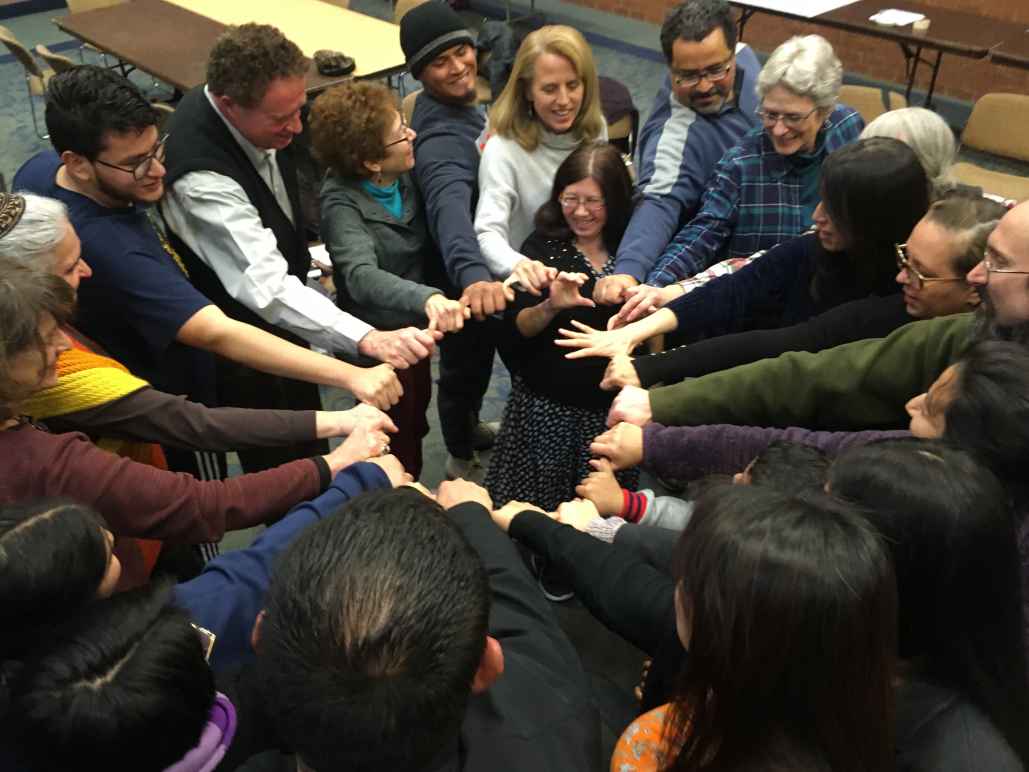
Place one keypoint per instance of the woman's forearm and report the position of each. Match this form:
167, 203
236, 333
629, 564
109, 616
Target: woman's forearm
534, 320
658, 323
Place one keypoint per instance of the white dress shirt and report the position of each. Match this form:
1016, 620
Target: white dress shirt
212, 214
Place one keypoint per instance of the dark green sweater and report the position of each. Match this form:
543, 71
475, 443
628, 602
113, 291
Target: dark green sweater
860, 385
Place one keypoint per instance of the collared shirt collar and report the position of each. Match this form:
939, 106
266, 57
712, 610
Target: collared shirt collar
258, 156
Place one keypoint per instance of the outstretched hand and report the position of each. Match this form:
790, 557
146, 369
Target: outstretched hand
577, 513
446, 315
620, 372
532, 275
621, 445
503, 516
590, 342
611, 290
601, 487
401, 348
631, 405
642, 301
378, 386
565, 291
454, 492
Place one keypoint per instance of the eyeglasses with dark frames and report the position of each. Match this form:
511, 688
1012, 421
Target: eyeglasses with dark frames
403, 130
711, 74
141, 169
915, 277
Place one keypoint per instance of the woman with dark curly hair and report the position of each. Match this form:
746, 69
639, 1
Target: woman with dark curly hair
385, 265
542, 451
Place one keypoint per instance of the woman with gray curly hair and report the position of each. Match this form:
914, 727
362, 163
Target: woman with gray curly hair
765, 189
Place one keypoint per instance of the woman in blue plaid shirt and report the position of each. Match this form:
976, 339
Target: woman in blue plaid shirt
765, 189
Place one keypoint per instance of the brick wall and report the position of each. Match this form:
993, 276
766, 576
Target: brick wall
959, 77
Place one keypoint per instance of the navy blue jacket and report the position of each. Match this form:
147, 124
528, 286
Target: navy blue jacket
446, 171
678, 150
230, 591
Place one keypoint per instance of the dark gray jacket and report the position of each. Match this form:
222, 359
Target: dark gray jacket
384, 268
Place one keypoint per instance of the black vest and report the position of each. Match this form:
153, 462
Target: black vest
199, 141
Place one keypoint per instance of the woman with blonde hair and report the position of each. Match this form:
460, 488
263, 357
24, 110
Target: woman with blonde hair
551, 105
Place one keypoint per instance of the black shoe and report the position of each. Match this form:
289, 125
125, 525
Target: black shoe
485, 434
552, 583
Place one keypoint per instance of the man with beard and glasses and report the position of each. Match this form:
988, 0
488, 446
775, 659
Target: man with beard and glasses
705, 105
107, 168
864, 384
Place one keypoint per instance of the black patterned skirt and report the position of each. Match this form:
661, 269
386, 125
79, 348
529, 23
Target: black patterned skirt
543, 450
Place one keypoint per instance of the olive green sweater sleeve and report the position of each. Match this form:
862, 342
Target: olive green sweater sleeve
864, 384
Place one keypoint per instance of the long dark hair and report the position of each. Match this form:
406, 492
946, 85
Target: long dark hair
989, 412
791, 602
949, 524
602, 163
53, 555
875, 190
124, 679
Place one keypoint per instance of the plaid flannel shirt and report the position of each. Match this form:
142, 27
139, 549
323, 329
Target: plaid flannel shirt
752, 201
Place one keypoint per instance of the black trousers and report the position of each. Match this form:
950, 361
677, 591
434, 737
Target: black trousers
465, 367
239, 386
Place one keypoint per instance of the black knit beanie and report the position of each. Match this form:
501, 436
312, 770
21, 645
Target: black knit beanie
428, 29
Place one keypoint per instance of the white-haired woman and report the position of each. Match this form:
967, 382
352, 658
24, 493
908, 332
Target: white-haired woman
765, 189
927, 134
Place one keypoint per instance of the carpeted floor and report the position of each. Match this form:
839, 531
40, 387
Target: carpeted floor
625, 50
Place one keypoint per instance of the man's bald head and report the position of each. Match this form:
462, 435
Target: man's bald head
1003, 274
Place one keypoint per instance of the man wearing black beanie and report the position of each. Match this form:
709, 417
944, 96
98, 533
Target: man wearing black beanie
440, 52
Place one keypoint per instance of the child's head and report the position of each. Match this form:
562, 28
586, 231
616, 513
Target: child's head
123, 683
788, 467
55, 558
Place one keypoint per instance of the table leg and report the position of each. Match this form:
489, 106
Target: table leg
928, 103
745, 14
912, 58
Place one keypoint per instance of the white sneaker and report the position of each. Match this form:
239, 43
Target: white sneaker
465, 468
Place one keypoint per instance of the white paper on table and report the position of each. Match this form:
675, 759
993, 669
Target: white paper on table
891, 17
806, 8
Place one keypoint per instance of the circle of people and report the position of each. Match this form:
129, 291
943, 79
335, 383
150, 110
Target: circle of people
798, 323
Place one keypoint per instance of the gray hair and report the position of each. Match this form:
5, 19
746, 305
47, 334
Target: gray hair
970, 220
807, 66
927, 134
36, 236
